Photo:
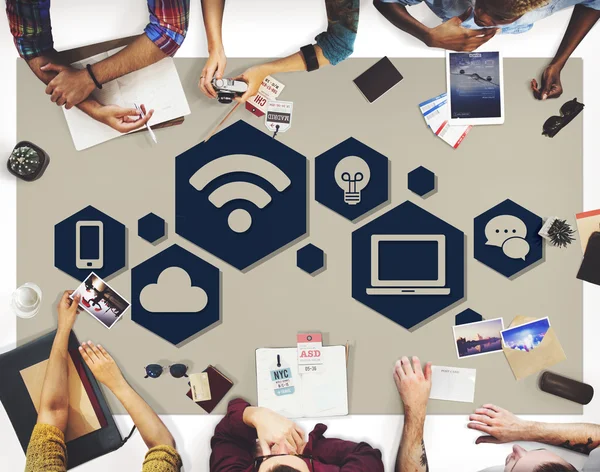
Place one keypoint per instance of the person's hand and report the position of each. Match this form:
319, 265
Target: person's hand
121, 119
453, 36
67, 311
70, 86
253, 76
414, 385
214, 67
273, 429
102, 365
551, 86
500, 425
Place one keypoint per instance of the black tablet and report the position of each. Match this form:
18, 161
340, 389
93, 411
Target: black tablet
22, 370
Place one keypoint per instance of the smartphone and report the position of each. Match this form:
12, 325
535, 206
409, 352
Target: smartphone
89, 245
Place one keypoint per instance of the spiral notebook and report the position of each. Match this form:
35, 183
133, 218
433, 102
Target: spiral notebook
282, 389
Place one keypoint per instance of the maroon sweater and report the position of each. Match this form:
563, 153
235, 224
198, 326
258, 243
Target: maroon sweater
234, 446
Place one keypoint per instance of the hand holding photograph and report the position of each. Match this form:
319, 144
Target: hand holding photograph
101, 301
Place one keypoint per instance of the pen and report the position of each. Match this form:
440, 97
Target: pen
142, 114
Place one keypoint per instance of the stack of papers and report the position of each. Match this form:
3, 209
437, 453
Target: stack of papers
436, 113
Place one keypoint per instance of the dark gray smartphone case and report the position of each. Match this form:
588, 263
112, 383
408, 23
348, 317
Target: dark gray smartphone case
567, 388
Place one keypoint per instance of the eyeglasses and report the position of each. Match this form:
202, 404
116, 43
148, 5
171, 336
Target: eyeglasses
568, 112
259, 460
156, 370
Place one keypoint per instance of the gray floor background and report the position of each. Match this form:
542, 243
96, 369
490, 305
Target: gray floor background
129, 177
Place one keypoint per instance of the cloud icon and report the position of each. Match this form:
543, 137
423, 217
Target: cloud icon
173, 293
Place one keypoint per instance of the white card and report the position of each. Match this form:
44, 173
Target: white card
454, 384
268, 90
279, 116
454, 134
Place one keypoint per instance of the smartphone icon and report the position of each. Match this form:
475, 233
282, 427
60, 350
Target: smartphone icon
89, 245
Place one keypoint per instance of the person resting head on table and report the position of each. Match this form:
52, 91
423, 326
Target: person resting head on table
31, 28
257, 439
332, 47
499, 425
467, 24
47, 449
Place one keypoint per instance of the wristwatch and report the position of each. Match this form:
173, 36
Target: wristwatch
310, 57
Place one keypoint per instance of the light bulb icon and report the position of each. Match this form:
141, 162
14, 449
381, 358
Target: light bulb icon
352, 174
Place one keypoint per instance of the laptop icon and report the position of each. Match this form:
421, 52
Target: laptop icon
408, 264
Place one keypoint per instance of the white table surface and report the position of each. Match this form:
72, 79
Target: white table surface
270, 28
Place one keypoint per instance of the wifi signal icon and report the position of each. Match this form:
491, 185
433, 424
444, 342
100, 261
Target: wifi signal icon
240, 220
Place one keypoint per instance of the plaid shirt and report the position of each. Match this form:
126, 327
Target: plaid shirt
30, 25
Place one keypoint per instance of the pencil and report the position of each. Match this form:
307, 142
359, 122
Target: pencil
222, 121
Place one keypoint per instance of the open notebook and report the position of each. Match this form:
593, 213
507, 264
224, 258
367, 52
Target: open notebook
156, 86
313, 395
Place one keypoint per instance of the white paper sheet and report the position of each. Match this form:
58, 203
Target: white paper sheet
316, 395
454, 384
156, 86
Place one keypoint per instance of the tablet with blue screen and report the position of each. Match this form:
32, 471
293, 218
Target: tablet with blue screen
475, 88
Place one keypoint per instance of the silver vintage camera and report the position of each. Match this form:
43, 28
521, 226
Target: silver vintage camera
228, 89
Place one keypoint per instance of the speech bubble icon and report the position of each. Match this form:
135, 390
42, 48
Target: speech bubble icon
516, 248
503, 227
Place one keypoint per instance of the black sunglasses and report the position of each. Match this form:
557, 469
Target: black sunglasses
176, 370
568, 112
259, 460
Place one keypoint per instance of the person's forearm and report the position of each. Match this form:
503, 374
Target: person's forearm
579, 437
398, 15
212, 12
411, 455
88, 106
294, 63
582, 21
54, 402
36, 63
152, 429
140, 53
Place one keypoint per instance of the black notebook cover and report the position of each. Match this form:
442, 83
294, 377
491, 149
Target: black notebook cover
590, 267
378, 79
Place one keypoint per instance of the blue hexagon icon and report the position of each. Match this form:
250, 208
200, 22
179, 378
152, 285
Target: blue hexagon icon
506, 238
151, 228
467, 316
89, 241
175, 294
310, 258
421, 181
408, 265
241, 196
351, 179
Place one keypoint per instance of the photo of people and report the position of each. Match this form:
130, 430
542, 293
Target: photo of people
100, 300
526, 337
482, 337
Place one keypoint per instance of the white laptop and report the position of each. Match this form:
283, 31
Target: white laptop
408, 264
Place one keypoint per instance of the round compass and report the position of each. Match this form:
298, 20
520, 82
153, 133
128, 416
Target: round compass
27, 161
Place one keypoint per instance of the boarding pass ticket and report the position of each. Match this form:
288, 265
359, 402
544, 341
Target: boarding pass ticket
436, 113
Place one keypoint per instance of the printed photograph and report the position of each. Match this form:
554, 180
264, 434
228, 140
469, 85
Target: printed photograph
526, 337
481, 337
101, 301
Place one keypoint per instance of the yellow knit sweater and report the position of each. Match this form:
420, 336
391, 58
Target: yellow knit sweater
47, 452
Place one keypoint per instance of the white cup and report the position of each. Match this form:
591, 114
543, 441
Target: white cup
26, 300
